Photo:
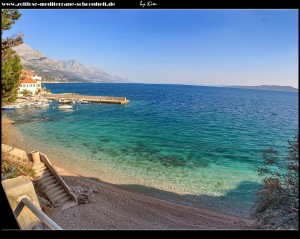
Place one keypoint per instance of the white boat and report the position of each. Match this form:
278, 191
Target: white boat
44, 104
84, 102
65, 106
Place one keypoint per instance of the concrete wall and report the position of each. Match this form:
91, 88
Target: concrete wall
15, 189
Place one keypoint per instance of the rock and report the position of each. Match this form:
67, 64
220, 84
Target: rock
84, 194
44, 201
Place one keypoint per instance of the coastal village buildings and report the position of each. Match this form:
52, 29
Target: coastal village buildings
28, 84
30, 81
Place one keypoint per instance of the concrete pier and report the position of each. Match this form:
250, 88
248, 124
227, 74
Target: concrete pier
92, 99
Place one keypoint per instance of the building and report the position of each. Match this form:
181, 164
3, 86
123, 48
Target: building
32, 75
28, 84
38, 80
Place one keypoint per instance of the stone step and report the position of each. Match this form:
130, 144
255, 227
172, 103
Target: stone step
55, 190
65, 199
67, 203
49, 182
51, 186
53, 197
41, 169
41, 175
59, 197
38, 166
46, 179
58, 193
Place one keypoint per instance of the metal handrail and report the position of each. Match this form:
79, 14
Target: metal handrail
40, 214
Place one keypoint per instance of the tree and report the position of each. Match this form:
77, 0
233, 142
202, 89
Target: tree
8, 18
278, 198
10, 75
10, 61
26, 92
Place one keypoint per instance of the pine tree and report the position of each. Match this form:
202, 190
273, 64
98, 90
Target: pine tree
8, 18
10, 75
10, 61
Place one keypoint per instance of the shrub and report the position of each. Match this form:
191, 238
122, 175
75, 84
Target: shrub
278, 198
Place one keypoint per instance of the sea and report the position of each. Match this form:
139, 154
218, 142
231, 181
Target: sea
195, 145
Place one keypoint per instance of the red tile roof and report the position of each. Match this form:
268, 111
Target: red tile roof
27, 80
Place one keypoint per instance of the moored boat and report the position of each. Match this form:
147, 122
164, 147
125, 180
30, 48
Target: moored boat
65, 106
42, 105
83, 101
8, 107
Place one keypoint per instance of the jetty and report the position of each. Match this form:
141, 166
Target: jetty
89, 98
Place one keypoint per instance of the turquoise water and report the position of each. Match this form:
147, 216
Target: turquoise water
187, 140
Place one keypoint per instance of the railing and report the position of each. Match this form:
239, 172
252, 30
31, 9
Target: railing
42, 216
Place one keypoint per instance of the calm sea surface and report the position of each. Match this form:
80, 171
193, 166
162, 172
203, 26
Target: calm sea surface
196, 144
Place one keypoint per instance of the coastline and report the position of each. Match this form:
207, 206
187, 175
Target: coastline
141, 199
112, 205
85, 167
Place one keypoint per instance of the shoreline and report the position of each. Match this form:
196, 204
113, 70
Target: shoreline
62, 158
201, 218
145, 195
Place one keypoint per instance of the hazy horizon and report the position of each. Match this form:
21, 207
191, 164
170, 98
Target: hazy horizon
194, 47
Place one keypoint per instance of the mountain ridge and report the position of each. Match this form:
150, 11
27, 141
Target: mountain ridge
64, 71
267, 87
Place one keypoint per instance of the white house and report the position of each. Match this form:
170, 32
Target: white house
32, 75
28, 84
38, 80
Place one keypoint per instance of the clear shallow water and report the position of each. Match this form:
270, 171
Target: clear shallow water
189, 140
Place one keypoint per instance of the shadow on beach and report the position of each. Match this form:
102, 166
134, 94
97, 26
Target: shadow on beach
236, 202
141, 207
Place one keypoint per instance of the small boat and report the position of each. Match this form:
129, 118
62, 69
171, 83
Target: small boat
84, 102
8, 107
65, 106
64, 101
44, 104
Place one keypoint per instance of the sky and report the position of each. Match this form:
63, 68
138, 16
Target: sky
197, 47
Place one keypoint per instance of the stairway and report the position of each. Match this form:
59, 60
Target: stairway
53, 189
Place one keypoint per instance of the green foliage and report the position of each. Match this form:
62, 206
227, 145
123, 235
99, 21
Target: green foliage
10, 76
8, 170
278, 199
10, 61
12, 169
26, 92
8, 18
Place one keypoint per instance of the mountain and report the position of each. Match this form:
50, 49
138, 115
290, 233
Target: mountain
63, 70
268, 87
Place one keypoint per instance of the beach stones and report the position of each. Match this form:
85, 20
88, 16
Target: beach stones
84, 194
